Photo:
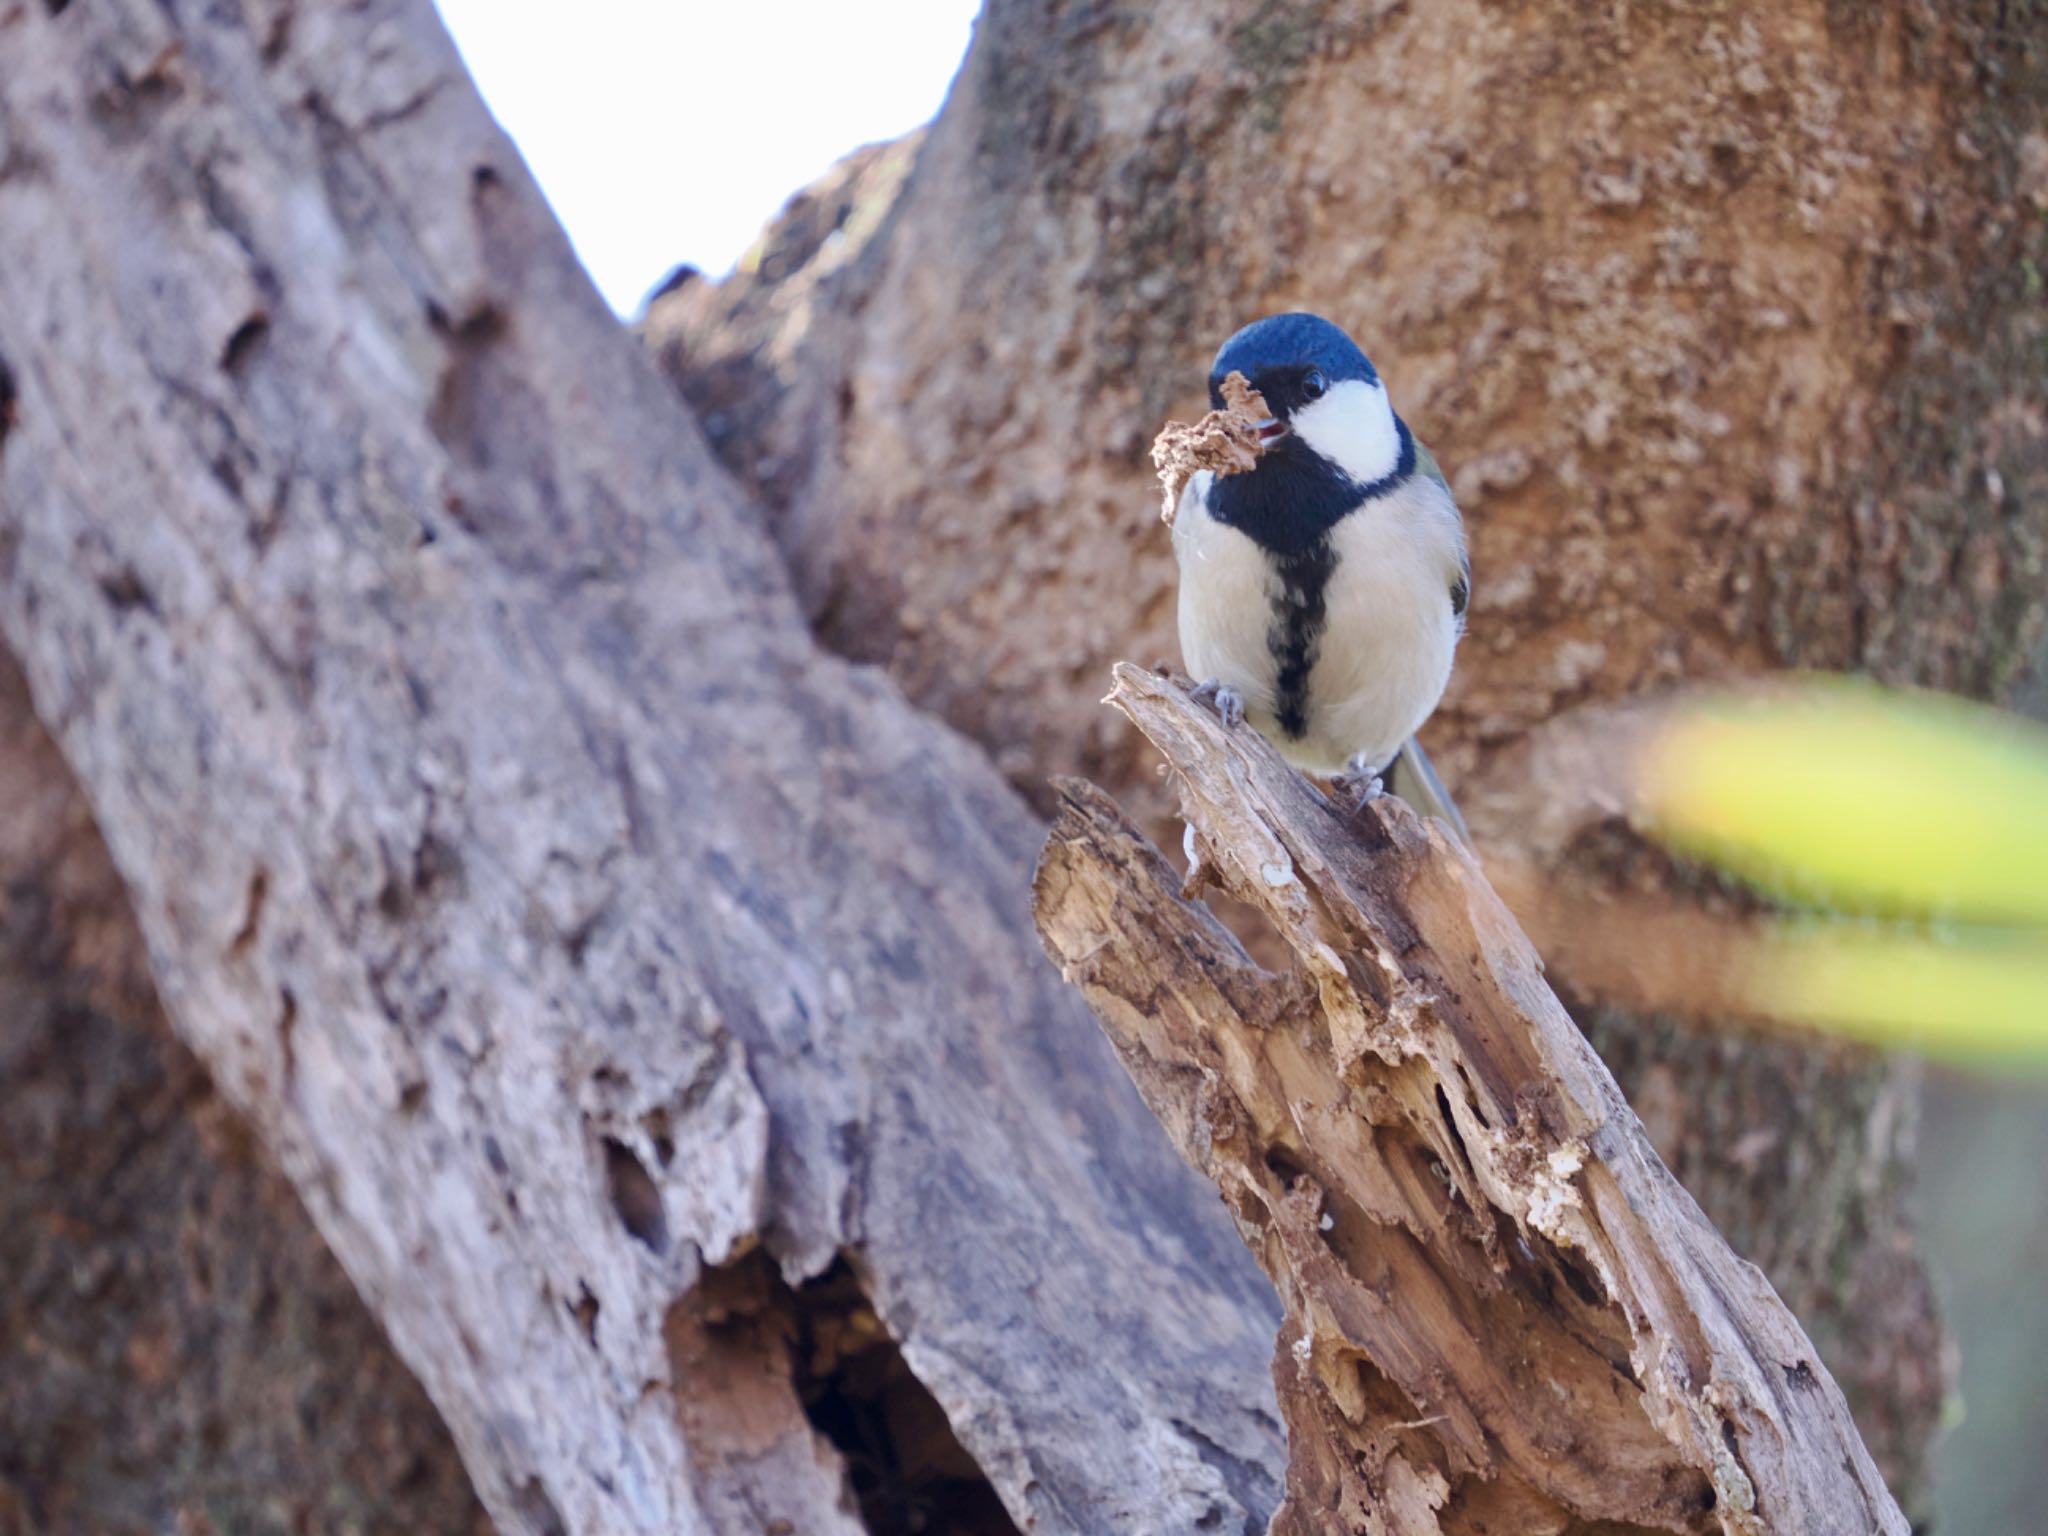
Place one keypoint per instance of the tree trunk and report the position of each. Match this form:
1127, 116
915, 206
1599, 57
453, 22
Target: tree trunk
1718, 314
644, 1005
182, 1351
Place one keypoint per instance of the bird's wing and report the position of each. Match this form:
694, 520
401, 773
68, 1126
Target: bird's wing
1425, 464
1461, 581
1413, 778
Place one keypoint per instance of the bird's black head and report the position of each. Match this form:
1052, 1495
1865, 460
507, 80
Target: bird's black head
1293, 360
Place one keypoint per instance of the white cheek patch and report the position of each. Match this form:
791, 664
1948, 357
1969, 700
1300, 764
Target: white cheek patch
1353, 427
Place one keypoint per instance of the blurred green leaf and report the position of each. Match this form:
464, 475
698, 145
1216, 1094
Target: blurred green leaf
1924, 809
1837, 791
1968, 999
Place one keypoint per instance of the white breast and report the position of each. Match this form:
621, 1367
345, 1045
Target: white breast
1384, 653
1227, 593
1389, 632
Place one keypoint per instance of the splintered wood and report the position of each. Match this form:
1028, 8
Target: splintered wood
1502, 1313
1225, 442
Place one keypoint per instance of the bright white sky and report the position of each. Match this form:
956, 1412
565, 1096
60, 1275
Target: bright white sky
666, 131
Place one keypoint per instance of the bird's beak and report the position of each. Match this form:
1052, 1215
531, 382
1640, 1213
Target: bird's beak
1271, 430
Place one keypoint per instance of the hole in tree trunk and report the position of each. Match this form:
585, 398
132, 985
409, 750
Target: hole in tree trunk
537, 1511
247, 340
763, 1370
907, 1468
635, 1196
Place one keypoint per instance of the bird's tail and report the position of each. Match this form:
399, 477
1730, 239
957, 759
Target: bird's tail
1413, 778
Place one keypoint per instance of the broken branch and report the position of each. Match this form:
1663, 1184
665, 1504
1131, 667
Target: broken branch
1503, 1313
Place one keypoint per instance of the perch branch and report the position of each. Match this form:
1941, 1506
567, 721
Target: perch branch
1503, 1313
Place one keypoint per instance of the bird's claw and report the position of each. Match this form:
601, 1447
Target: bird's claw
1360, 785
1228, 703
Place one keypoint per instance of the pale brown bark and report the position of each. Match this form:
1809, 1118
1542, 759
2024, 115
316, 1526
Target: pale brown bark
593, 954
1503, 1313
1716, 314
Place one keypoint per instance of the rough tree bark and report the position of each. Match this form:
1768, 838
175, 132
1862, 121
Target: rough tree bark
182, 1352
1719, 312
1503, 1313
644, 1005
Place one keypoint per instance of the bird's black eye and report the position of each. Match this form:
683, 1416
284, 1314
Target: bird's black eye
1313, 387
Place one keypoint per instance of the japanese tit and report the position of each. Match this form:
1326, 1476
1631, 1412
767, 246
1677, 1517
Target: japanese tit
1322, 592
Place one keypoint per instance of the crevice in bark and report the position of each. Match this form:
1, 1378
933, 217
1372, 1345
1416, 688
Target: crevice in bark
8, 399
635, 1196
904, 1463
242, 346
287, 1034
252, 912
125, 590
538, 1511
585, 1309
767, 1371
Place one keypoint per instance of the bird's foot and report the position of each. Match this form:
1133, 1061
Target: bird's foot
1358, 785
1228, 702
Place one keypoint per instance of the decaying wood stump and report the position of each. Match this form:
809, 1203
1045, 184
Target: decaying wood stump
1503, 1313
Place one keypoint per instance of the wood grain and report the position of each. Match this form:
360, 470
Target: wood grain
1503, 1314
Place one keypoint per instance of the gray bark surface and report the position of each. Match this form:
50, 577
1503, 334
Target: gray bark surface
181, 1352
569, 928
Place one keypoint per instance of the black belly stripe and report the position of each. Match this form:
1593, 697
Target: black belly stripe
1297, 629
